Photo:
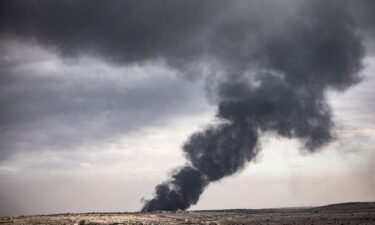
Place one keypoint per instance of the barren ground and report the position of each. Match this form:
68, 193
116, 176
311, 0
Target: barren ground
346, 213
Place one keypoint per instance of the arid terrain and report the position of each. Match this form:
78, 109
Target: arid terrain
345, 213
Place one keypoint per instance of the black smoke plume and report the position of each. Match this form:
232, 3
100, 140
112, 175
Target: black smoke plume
268, 66
286, 96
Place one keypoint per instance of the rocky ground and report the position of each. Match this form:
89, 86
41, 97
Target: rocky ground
346, 213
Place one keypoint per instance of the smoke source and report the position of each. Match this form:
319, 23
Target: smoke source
268, 65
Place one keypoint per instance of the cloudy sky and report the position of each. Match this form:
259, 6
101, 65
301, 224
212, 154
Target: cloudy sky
98, 102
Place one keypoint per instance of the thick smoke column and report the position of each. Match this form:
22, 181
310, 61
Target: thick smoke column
268, 65
287, 96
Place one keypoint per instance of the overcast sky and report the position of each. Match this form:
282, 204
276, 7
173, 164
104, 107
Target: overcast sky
98, 98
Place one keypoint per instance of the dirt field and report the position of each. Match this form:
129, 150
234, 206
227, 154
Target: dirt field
346, 213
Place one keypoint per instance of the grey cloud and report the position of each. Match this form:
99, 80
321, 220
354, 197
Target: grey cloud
65, 107
124, 31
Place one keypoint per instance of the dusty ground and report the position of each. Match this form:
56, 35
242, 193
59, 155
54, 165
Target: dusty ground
347, 213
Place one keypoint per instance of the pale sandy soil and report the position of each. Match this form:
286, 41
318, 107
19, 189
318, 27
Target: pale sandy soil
347, 213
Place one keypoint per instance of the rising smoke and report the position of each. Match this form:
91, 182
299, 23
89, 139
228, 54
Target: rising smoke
291, 72
268, 65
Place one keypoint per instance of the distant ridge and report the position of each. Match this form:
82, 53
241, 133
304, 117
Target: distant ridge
335, 206
347, 206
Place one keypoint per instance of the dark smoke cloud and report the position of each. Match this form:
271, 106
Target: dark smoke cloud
319, 51
268, 65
